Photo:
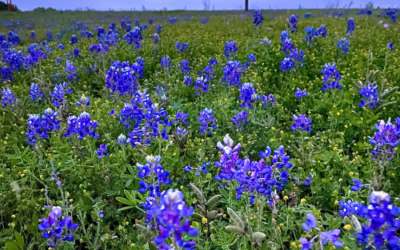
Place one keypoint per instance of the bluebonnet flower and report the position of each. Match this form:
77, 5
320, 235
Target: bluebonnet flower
59, 36
240, 120
267, 101
258, 18
150, 20
371, 94
202, 168
155, 37
252, 59
350, 27
6, 74
35, 93
247, 95
232, 73
287, 45
306, 245
184, 67
49, 35
385, 140
286, 64
98, 48
134, 36
61, 46
321, 31
229, 157
202, 84
230, 48
158, 28
161, 92
182, 117
308, 180
343, 44
13, 59
55, 228
310, 33
100, 31
307, 15
165, 62
74, 40
58, 59
33, 35
58, 94
293, 23
310, 223
284, 35
8, 98
3, 46
297, 56
266, 42
357, 185
382, 222
121, 139
332, 236
101, 213
2, 37
138, 66
169, 214
301, 122
13, 39
331, 77
128, 26
153, 169
101, 152
173, 20
187, 80
208, 71
84, 102
300, 93
121, 77
390, 45
207, 121
70, 68
180, 47
137, 22
41, 125
81, 126
204, 20
76, 52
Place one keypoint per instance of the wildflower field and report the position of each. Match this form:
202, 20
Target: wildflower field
200, 130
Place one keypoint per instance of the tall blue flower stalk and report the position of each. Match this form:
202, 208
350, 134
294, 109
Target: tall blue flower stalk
207, 121
230, 49
258, 18
41, 125
233, 72
343, 45
331, 77
301, 122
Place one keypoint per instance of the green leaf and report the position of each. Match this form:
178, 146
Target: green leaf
19, 238
32, 229
35, 219
130, 196
125, 201
125, 208
12, 246
87, 201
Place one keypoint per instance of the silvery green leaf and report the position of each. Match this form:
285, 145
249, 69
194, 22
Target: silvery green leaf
235, 229
356, 224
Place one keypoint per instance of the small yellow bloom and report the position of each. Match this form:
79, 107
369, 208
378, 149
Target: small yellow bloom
336, 203
204, 220
133, 244
13, 216
285, 198
224, 216
303, 200
181, 187
281, 225
351, 173
127, 223
340, 180
347, 227
71, 200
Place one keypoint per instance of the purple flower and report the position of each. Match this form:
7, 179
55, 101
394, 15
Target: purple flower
180, 47
134, 36
81, 126
230, 48
58, 94
371, 94
187, 80
343, 44
385, 140
390, 45
331, 77
357, 185
332, 236
41, 125
165, 63
240, 120
258, 18
301, 122
350, 27
35, 93
101, 152
184, 67
310, 223
300, 93
233, 72
207, 121
8, 98
306, 245
293, 23
155, 37
74, 40
247, 95
182, 117
101, 214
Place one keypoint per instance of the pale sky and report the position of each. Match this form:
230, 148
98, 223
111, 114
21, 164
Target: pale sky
193, 4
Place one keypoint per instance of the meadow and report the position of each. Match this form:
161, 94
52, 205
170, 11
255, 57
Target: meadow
200, 130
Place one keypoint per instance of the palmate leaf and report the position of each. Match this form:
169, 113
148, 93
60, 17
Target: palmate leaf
131, 201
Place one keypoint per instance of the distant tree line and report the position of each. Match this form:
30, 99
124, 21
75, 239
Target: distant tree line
4, 6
